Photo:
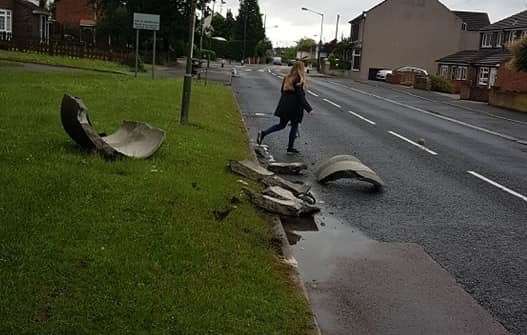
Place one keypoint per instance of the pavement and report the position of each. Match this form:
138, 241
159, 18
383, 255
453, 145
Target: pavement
447, 237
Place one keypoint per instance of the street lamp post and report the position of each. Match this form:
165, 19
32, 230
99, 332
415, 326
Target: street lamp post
187, 83
321, 33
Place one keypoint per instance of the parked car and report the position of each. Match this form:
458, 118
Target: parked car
412, 69
382, 74
277, 61
290, 62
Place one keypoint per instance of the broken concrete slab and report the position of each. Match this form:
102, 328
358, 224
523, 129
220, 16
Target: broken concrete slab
250, 169
296, 188
287, 168
281, 202
263, 154
347, 166
132, 139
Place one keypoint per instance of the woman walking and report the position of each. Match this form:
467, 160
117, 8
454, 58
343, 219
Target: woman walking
291, 107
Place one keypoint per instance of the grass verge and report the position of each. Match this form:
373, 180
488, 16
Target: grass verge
80, 63
131, 246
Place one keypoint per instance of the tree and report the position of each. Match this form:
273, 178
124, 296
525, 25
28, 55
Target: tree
248, 29
519, 55
306, 44
263, 47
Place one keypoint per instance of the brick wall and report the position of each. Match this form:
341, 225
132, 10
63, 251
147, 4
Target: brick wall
25, 24
511, 81
70, 12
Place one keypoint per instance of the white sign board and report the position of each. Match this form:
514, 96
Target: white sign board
146, 21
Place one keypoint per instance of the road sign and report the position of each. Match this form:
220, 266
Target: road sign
146, 21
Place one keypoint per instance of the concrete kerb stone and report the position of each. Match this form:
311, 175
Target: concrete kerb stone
66, 67
279, 232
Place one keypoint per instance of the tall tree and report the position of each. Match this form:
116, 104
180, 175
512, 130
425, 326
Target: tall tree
248, 29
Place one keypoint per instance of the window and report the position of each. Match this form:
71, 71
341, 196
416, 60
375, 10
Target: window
443, 71
499, 42
524, 34
453, 73
355, 60
484, 76
462, 73
5, 21
464, 26
486, 40
510, 36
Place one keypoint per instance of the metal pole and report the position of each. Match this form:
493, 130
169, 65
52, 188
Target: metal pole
154, 57
245, 36
136, 52
187, 83
337, 31
320, 43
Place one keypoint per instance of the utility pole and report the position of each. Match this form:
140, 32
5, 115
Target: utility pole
245, 35
337, 31
187, 84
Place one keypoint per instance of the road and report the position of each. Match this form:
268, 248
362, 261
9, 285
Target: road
462, 196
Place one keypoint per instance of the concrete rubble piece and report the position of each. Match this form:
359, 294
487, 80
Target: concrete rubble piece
347, 166
280, 201
132, 139
287, 168
282, 196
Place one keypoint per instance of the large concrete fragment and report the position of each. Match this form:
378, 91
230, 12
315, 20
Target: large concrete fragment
287, 168
279, 201
132, 139
346, 166
297, 189
250, 169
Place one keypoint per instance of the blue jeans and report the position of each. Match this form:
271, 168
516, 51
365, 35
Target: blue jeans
277, 127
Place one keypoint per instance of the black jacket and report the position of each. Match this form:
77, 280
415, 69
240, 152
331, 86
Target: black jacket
293, 104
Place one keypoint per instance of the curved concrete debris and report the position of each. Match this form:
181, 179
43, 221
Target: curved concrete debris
132, 139
281, 201
347, 166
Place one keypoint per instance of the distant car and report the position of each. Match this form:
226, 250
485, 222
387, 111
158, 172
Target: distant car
382, 74
290, 62
417, 70
277, 61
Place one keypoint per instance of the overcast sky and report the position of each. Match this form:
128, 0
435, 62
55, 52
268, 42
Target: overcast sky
294, 24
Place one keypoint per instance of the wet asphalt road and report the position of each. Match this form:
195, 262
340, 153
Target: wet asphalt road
462, 196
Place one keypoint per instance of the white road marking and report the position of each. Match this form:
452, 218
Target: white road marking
446, 118
501, 187
248, 70
259, 114
280, 77
334, 104
362, 118
413, 143
261, 70
312, 93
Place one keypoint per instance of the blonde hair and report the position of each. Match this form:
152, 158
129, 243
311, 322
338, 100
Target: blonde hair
298, 72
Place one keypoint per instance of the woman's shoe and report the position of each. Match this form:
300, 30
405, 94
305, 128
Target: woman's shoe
292, 151
259, 138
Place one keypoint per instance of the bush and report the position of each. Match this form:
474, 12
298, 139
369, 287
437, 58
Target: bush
519, 55
208, 54
440, 84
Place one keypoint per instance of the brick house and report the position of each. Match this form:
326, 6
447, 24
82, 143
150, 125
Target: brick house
398, 33
78, 18
474, 72
23, 19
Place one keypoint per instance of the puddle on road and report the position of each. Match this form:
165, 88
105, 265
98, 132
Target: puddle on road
319, 242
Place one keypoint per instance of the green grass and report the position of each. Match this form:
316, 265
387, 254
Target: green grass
131, 246
81, 63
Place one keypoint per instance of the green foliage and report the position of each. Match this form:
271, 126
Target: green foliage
131, 246
263, 48
519, 55
440, 84
208, 54
338, 64
305, 44
249, 16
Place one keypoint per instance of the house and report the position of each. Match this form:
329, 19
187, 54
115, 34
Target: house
477, 70
398, 33
77, 18
23, 20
